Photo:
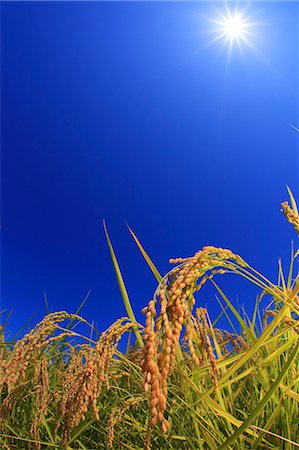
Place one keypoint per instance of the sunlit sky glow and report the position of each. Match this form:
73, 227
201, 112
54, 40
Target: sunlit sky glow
125, 111
234, 27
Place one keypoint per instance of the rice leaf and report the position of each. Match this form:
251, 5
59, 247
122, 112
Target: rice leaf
293, 201
146, 257
232, 439
122, 287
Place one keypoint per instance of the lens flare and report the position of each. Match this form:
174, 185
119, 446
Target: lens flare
234, 27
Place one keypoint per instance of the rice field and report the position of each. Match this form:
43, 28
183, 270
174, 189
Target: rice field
182, 382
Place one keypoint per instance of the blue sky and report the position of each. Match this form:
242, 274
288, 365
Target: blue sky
121, 111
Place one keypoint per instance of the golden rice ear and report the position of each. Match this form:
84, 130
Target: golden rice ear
291, 216
291, 212
169, 310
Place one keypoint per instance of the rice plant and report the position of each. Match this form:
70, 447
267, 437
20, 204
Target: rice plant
182, 383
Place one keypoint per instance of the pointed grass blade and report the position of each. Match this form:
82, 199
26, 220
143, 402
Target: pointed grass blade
275, 414
295, 444
122, 287
259, 408
254, 315
146, 256
224, 308
77, 312
293, 201
14, 338
29, 441
241, 321
255, 347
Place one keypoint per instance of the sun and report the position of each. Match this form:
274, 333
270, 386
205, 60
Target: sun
234, 27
